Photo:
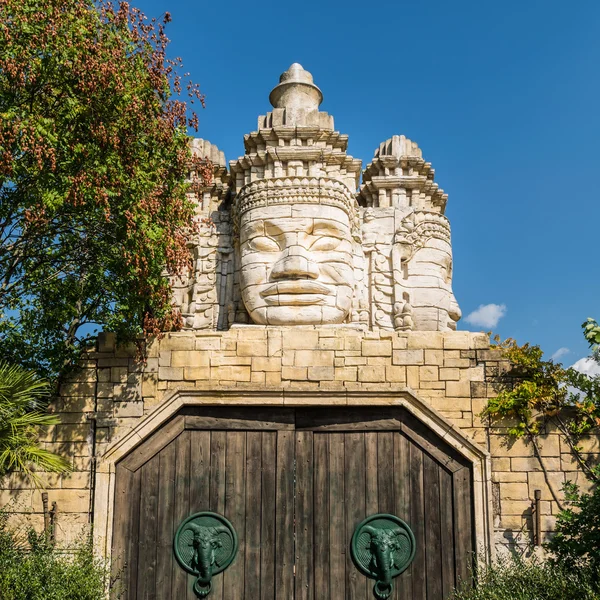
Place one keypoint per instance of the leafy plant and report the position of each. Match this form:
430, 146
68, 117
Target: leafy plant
537, 393
36, 570
516, 578
94, 156
576, 543
23, 399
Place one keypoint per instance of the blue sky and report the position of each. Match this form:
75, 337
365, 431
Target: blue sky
501, 96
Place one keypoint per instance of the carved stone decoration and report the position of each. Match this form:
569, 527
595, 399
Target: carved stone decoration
287, 237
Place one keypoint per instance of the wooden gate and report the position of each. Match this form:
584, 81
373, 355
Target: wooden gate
294, 483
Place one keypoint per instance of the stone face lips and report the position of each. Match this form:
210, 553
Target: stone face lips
289, 218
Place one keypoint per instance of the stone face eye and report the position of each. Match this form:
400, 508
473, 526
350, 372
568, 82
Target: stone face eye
263, 244
325, 244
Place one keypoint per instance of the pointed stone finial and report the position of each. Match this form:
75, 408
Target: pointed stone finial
296, 90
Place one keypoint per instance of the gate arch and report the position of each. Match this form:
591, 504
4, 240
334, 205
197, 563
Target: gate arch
349, 461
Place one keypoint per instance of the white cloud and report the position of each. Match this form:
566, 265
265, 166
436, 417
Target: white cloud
487, 315
560, 353
587, 366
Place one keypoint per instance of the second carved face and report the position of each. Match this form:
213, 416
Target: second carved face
296, 264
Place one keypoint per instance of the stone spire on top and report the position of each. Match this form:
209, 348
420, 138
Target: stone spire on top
295, 100
296, 89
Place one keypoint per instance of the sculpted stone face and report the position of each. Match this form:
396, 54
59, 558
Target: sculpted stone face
428, 279
296, 267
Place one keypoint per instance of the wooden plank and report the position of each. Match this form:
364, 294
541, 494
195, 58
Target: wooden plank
199, 487
121, 521
166, 504
372, 473
245, 422
253, 514
267, 520
179, 580
433, 545
218, 448
417, 521
131, 570
446, 533
304, 581
385, 471
336, 422
154, 444
235, 510
337, 522
146, 581
355, 509
284, 516
402, 505
463, 532
321, 515
199, 471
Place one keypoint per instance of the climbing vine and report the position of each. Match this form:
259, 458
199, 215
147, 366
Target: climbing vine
536, 395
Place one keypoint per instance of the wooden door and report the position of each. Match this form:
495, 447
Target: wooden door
294, 484
355, 463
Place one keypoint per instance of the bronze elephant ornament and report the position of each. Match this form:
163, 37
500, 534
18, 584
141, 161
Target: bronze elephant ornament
383, 546
205, 544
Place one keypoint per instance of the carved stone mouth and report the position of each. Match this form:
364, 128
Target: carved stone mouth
296, 287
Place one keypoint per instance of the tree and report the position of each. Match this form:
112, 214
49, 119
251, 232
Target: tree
23, 399
94, 204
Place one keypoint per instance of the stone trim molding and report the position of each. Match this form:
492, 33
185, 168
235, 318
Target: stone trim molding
400, 396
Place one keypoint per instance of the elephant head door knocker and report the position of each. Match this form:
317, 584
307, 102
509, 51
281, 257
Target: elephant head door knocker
205, 544
382, 547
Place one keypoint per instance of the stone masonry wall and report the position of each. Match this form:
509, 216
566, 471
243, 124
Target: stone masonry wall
455, 372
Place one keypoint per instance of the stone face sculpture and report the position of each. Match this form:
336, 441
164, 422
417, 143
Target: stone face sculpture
294, 240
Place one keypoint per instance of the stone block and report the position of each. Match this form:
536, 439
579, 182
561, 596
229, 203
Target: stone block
208, 343
457, 340
84, 388
294, 373
371, 373
452, 404
395, 374
164, 359
533, 464
399, 341
222, 361
170, 373
252, 348
509, 477
272, 378
331, 343
314, 358
428, 373
537, 481
408, 357
346, 374
107, 341
258, 377
352, 342
458, 388
412, 377
434, 357
178, 341
432, 340
266, 364
149, 381
460, 363
514, 491
300, 339
230, 373
71, 433
376, 348
189, 358
196, 373
354, 361
119, 374
449, 374
320, 373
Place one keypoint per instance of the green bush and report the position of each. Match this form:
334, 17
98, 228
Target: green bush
517, 578
33, 569
576, 543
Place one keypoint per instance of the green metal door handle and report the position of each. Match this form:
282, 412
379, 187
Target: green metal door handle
205, 544
383, 546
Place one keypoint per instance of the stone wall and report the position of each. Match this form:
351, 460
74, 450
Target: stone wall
453, 372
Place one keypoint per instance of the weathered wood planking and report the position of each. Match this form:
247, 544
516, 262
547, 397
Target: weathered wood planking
294, 498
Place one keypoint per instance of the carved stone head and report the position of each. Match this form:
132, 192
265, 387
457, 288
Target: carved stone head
296, 258
427, 272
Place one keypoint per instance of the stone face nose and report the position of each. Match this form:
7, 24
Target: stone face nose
296, 90
295, 264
